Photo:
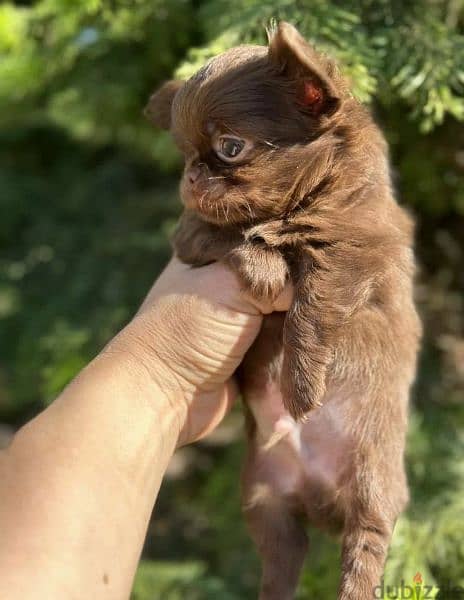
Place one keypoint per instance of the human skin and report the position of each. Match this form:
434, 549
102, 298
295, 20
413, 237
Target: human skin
78, 482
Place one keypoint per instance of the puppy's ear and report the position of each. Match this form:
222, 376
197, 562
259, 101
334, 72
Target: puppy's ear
158, 109
313, 75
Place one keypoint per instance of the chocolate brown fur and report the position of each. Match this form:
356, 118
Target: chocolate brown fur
313, 203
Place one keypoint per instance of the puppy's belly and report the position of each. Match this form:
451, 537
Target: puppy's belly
306, 461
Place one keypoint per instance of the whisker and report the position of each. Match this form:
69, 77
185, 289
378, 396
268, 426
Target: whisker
223, 209
202, 198
274, 146
247, 204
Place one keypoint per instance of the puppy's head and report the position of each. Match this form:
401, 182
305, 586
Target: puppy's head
245, 123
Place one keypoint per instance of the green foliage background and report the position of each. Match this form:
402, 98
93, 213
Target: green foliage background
88, 198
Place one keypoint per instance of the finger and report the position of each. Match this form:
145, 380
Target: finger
224, 403
207, 411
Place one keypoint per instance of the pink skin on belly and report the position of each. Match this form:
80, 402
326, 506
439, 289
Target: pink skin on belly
295, 454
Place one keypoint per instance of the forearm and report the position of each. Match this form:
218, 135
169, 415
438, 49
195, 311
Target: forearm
83, 477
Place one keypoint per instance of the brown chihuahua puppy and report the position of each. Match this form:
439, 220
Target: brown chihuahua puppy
287, 178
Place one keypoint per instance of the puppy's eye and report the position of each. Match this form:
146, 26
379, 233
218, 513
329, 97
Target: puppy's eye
230, 149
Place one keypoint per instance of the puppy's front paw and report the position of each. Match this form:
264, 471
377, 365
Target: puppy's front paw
263, 271
303, 394
303, 380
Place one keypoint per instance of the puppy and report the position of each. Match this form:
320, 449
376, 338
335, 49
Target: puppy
287, 178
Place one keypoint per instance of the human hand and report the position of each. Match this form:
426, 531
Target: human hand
80, 479
190, 335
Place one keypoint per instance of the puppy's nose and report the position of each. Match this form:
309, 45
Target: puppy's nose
193, 174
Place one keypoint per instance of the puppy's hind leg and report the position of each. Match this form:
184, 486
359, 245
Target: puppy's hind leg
378, 497
282, 544
270, 474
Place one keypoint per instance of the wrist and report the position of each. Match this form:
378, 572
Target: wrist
147, 373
